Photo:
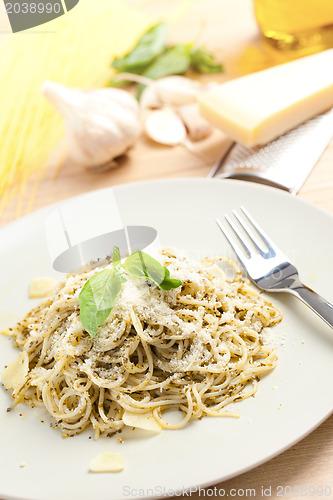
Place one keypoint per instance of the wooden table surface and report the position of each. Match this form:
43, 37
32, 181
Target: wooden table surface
227, 28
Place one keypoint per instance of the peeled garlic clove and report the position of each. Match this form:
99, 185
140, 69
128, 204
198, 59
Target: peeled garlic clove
107, 462
165, 127
101, 124
170, 91
149, 98
14, 376
177, 90
197, 127
42, 287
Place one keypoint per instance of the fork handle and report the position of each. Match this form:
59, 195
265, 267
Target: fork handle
318, 304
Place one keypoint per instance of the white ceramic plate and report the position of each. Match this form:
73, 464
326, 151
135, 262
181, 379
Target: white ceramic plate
291, 401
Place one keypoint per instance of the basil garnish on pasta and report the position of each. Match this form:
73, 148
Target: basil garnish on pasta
116, 257
97, 299
142, 265
99, 295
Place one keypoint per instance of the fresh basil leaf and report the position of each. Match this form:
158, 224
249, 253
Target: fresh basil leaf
174, 61
97, 298
116, 257
142, 265
203, 62
150, 45
169, 283
99, 294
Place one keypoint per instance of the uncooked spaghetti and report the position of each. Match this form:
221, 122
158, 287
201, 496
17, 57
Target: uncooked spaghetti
75, 49
195, 349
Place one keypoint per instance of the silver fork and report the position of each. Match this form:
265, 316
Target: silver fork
269, 268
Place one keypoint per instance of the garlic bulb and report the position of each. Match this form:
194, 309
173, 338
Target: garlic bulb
101, 124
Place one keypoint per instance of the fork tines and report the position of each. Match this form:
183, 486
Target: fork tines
245, 251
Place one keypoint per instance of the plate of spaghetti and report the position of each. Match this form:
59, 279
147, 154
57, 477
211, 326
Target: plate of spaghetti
200, 363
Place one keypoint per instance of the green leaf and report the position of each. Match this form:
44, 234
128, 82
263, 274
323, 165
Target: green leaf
150, 45
116, 257
97, 298
169, 283
174, 61
203, 62
142, 265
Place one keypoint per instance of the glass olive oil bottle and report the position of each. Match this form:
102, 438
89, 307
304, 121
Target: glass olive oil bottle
296, 25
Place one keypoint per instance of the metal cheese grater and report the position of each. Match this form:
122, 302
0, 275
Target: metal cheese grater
285, 162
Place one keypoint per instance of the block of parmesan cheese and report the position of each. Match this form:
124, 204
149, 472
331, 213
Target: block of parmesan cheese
259, 107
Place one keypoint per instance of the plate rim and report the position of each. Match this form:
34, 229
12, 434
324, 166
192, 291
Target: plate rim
254, 185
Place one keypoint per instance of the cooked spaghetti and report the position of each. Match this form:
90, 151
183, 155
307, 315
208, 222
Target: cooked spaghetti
195, 348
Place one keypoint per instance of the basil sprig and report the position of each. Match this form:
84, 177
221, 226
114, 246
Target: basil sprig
203, 62
116, 257
97, 299
153, 58
174, 61
99, 295
150, 45
142, 265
